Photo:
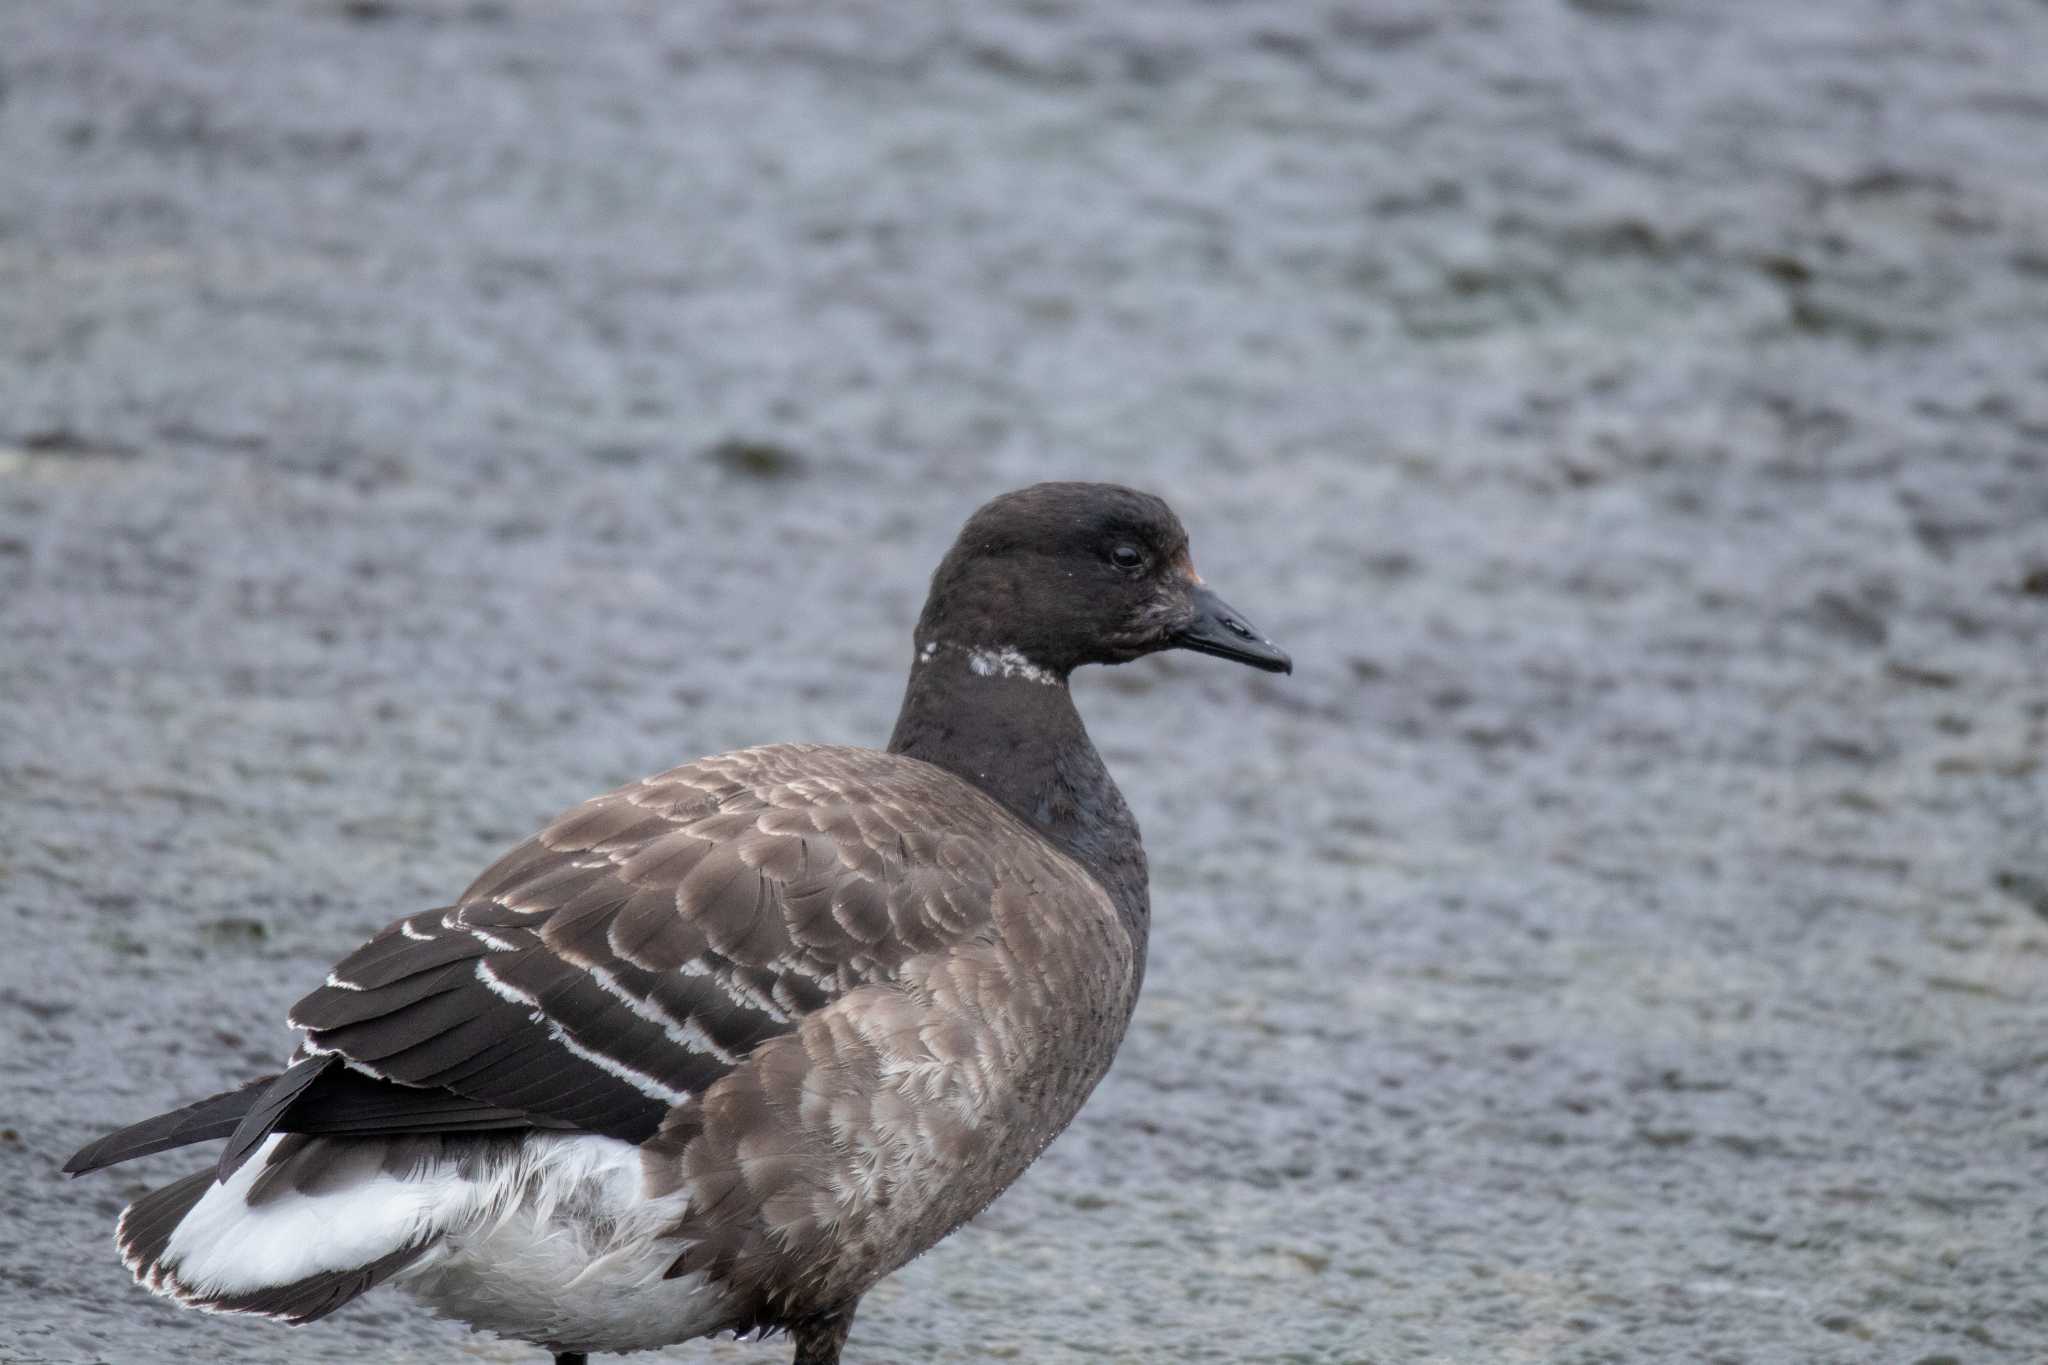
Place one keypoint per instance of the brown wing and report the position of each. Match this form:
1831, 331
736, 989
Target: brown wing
641, 946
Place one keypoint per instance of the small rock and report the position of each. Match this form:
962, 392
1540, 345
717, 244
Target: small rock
755, 459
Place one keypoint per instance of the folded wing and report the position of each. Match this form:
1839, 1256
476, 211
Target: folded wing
638, 948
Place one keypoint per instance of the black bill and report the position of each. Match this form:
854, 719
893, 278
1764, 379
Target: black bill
1218, 628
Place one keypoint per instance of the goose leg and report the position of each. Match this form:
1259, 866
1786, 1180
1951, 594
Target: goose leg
571, 1358
819, 1341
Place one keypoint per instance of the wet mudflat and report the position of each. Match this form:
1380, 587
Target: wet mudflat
1626, 936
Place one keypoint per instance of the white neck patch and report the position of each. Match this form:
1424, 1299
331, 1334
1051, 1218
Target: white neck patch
1006, 662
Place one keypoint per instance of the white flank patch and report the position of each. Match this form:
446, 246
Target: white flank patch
1008, 663
639, 1080
570, 1250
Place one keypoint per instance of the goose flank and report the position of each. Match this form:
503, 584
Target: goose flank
717, 1051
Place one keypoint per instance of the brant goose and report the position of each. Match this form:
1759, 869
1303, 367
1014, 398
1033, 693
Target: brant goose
720, 1049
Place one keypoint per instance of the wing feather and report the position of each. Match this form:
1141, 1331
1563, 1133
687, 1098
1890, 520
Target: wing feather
645, 943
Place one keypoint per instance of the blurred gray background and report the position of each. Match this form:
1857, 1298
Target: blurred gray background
1624, 937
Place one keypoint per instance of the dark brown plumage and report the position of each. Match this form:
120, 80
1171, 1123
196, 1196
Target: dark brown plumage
720, 1049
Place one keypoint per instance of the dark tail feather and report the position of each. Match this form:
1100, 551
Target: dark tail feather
268, 1109
210, 1118
345, 1103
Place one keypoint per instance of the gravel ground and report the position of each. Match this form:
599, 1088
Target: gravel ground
1625, 938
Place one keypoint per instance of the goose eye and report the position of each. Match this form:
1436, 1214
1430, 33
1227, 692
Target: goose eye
1126, 557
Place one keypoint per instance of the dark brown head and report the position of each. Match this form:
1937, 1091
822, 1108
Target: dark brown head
1063, 574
